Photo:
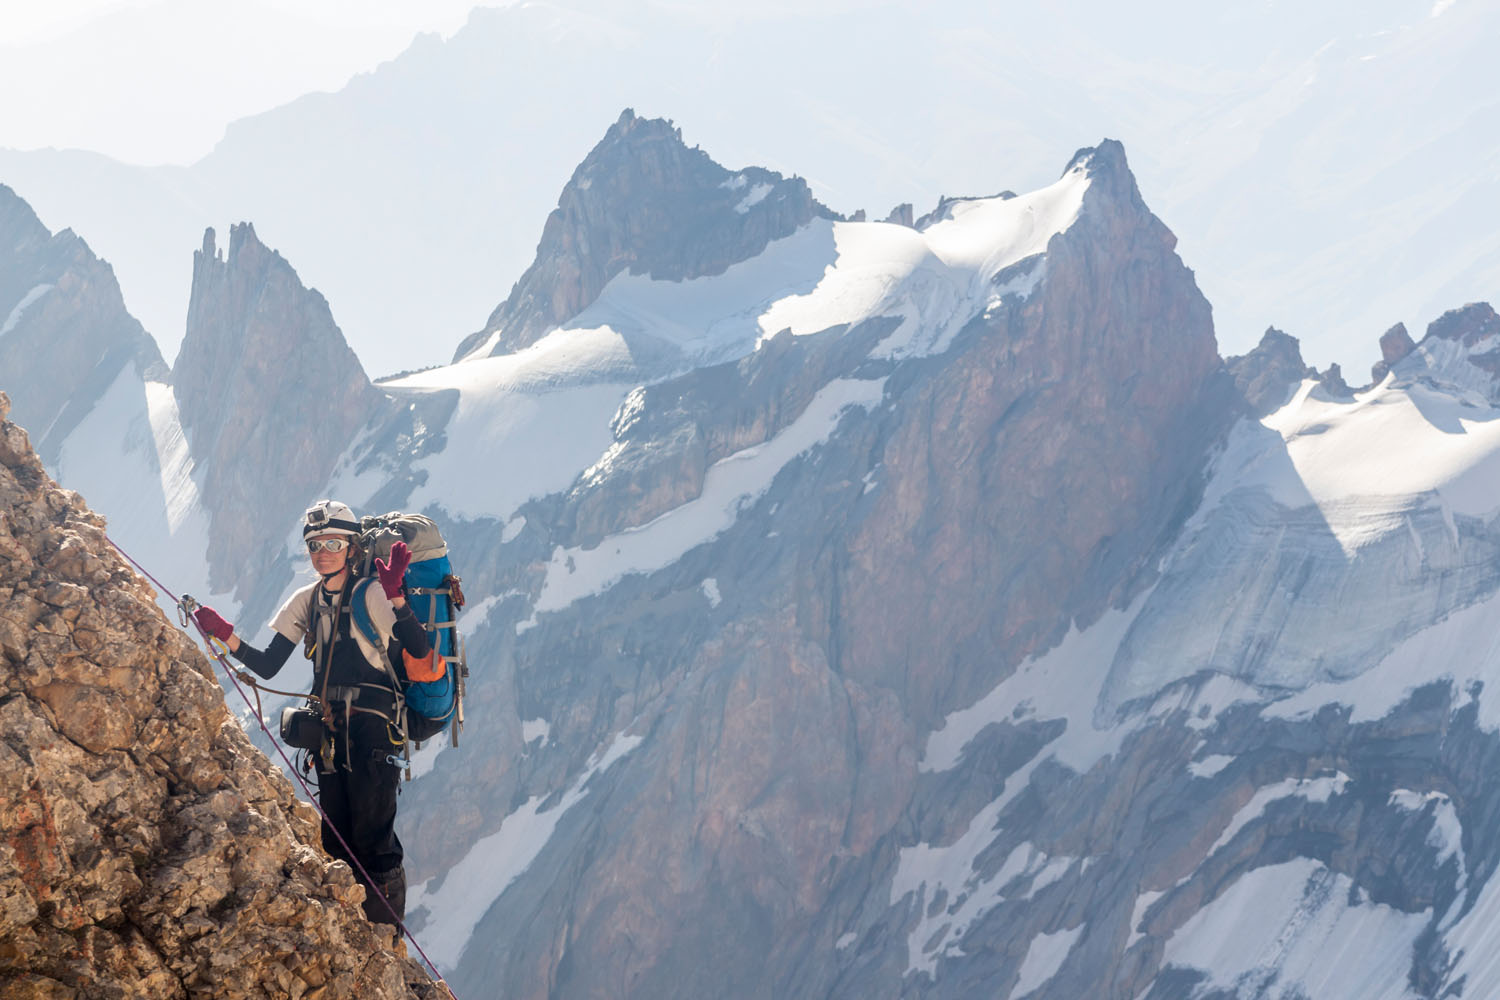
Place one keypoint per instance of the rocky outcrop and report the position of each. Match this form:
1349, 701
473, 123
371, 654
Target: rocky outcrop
270, 396
65, 335
1268, 375
1395, 344
642, 202
1468, 324
1081, 415
146, 848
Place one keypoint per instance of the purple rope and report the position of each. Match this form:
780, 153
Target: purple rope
291, 768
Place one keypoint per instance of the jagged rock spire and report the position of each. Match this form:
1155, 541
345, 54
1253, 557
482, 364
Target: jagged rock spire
270, 394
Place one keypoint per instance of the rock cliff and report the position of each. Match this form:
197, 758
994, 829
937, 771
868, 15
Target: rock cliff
270, 395
1024, 479
64, 333
644, 203
146, 848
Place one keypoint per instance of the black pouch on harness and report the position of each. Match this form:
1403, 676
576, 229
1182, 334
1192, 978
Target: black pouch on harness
301, 728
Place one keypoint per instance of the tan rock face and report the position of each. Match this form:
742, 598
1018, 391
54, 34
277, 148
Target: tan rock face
146, 848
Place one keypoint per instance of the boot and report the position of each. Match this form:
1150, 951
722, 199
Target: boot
392, 885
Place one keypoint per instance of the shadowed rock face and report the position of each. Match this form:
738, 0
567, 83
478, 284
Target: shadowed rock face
643, 202
270, 395
146, 849
1268, 375
66, 334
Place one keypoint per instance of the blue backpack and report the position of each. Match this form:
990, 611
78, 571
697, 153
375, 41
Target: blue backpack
434, 693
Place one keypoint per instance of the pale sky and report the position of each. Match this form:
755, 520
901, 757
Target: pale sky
108, 75
1330, 168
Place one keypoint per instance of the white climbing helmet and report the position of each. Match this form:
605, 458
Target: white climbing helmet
329, 517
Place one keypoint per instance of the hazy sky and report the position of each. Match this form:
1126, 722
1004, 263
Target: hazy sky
1331, 168
156, 81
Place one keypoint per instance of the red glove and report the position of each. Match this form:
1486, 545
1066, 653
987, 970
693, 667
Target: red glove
391, 573
209, 621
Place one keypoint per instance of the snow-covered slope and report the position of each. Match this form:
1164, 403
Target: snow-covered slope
547, 409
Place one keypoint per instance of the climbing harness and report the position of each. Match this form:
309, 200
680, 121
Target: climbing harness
185, 608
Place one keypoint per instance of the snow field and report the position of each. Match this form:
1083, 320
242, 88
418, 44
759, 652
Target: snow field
1298, 930
730, 484
1044, 956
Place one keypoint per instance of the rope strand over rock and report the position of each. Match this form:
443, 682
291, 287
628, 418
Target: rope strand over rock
230, 672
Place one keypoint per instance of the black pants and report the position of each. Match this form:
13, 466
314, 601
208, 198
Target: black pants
361, 804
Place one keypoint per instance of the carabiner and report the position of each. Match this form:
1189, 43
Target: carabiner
185, 609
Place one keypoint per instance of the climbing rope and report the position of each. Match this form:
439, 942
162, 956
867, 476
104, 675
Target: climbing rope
184, 604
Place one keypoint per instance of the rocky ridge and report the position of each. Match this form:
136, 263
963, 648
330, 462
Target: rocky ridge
642, 202
270, 395
147, 848
65, 335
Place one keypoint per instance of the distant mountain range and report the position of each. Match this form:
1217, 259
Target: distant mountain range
867, 609
1327, 168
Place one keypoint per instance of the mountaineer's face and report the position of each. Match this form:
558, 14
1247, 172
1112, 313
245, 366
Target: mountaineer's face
321, 550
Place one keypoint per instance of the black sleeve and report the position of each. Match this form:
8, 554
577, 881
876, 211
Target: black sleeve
410, 633
266, 664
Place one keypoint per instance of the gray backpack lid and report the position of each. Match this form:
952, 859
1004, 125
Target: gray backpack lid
418, 531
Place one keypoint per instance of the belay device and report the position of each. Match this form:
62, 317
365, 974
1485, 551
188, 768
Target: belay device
434, 693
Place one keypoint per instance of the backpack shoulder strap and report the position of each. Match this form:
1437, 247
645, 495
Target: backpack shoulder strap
361, 612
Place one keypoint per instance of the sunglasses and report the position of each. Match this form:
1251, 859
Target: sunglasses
330, 544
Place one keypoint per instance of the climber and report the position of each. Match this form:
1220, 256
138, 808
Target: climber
358, 774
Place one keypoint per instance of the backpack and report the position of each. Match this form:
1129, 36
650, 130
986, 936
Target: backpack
434, 692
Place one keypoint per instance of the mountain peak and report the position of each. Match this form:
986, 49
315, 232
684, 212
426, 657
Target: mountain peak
65, 335
261, 355
642, 201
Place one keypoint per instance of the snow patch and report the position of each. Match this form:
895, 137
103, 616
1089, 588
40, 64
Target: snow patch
730, 484
1209, 766
20, 307
1044, 956
1462, 648
1311, 789
471, 886
512, 529
535, 729
474, 615
1142, 904
925, 872
1046, 687
755, 197
1308, 930
711, 591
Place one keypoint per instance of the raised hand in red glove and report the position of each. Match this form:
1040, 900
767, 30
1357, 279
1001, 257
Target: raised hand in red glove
391, 573
209, 621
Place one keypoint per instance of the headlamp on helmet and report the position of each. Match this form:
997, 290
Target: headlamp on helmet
329, 517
